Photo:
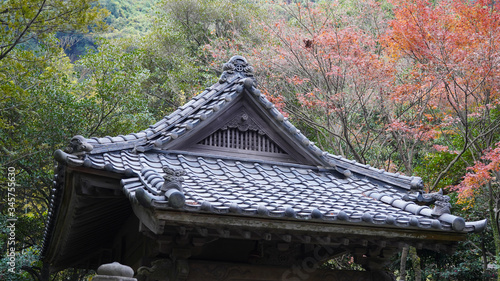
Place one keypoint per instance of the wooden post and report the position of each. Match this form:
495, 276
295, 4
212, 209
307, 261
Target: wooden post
402, 268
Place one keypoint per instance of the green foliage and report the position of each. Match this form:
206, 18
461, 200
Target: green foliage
125, 19
27, 258
175, 48
433, 163
174, 75
128, 17
464, 264
43, 105
27, 250
110, 83
25, 20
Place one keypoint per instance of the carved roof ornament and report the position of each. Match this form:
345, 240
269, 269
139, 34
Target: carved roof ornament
243, 123
236, 67
78, 146
172, 187
441, 202
173, 179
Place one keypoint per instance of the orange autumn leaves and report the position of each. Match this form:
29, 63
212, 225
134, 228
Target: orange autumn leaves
454, 47
484, 172
454, 50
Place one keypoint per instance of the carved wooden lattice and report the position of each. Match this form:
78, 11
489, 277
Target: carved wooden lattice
244, 134
246, 140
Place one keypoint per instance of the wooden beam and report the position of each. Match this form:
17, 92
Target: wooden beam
148, 218
301, 227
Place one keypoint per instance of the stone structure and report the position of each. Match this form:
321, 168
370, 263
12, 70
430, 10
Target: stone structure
114, 272
226, 188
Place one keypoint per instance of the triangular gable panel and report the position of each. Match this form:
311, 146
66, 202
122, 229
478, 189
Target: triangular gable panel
240, 131
241, 134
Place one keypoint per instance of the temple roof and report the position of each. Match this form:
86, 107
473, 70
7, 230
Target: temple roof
226, 185
229, 151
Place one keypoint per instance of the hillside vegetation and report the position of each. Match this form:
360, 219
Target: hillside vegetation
124, 19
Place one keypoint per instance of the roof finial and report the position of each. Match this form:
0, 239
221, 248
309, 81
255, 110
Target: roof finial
172, 187
236, 67
78, 146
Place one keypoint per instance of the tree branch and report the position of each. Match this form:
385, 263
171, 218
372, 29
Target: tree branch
3, 54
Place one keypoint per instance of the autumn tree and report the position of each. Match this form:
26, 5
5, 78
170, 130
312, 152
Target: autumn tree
448, 55
323, 65
387, 85
482, 182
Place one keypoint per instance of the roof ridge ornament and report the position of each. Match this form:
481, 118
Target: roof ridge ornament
172, 186
440, 201
441, 204
78, 146
237, 67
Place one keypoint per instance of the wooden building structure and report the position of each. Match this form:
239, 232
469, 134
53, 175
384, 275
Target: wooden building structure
226, 188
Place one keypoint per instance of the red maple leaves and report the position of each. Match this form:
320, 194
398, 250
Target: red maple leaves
484, 173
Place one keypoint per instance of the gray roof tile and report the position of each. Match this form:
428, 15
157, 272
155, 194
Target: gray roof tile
221, 185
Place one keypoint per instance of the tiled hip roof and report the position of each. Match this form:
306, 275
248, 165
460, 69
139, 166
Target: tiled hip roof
219, 186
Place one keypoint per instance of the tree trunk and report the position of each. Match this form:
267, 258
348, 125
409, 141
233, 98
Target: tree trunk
45, 272
415, 260
492, 208
485, 259
402, 268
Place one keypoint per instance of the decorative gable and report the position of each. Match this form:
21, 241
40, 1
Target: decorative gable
242, 134
247, 135
234, 119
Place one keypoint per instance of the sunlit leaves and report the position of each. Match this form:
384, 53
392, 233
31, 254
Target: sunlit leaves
24, 20
112, 78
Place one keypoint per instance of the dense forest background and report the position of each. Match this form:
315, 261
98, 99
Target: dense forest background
411, 86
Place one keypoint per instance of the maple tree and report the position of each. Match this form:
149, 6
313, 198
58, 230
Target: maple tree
483, 180
448, 56
484, 173
323, 66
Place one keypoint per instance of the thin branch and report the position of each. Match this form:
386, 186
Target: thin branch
4, 54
